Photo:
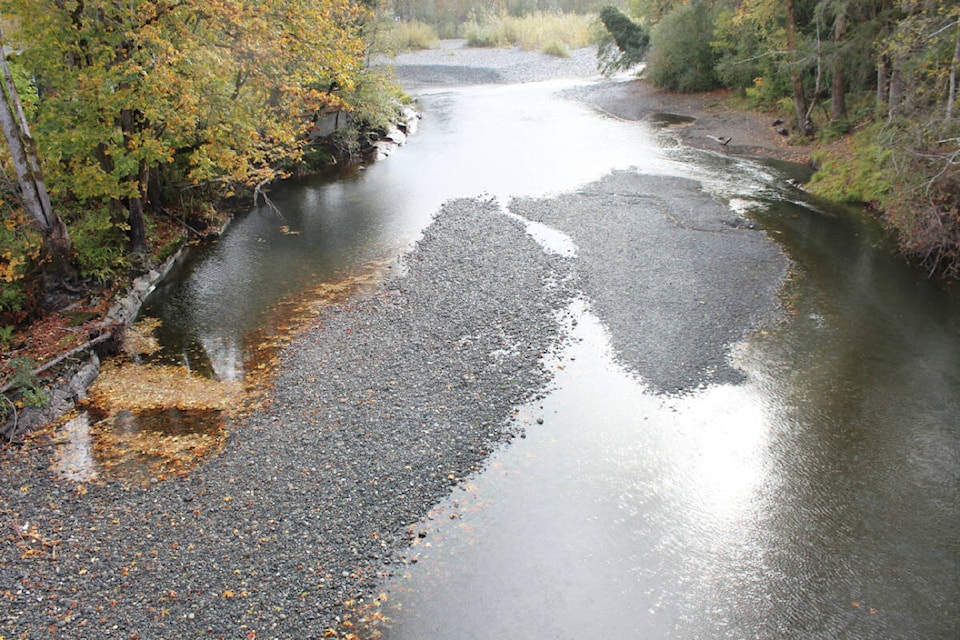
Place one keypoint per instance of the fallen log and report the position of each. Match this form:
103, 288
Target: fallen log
49, 364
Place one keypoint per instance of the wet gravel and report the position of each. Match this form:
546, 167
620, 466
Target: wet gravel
380, 408
674, 274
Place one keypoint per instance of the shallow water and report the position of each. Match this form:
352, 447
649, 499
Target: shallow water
821, 498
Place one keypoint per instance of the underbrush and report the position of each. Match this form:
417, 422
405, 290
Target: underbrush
907, 173
397, 37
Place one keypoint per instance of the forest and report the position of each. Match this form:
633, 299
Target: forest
872, 84
130, 123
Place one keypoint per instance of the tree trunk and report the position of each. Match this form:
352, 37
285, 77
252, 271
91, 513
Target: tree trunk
838, 91
799, 98
895, 92
138, 233
36, 200
952, 97
881, 83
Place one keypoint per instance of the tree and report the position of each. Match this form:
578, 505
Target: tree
33, 190
838, 89
140, 99
625, 42
796, 79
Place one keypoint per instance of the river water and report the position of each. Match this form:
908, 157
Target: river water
820, 498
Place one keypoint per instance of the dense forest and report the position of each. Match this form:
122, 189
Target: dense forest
128, 122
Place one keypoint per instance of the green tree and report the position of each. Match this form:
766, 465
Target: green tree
625, 42
137, 95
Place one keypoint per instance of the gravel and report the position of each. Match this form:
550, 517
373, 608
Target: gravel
379, 409
453, 63
675, 275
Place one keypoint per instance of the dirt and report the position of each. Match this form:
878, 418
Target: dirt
718, 116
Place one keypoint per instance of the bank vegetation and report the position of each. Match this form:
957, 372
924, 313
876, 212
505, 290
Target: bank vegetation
871, 83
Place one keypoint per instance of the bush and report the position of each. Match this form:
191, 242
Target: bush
555, 34
19, 252
100, 241
556, 49
682, 58
398, 37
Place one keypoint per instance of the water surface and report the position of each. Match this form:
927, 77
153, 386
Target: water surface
819, 499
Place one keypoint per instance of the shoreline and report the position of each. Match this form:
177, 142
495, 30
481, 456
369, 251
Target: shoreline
750, 133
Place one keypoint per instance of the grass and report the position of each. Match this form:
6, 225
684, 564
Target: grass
551, 33
398, 37
555, 34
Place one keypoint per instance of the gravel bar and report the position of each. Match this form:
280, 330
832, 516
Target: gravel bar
453, 63
673, 273
379, 409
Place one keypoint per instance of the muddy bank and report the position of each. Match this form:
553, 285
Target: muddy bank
747, 133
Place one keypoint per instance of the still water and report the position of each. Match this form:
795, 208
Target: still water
818, 499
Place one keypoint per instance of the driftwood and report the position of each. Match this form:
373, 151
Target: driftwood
724, 141
89, 344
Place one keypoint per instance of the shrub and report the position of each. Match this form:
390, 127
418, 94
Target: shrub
555, 34
19, 251
407, 36
681, 56
100, 241
556, 49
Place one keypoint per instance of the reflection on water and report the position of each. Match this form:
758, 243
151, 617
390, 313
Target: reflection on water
74, 456
804, 503
603, 520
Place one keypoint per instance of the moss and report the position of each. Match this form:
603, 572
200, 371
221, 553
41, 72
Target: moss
854, 169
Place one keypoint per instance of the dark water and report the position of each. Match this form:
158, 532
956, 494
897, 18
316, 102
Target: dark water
819, 499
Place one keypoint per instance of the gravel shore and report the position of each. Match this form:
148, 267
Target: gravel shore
380, 407
453, 63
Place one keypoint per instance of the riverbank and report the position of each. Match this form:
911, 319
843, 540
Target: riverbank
717, 116
719, 124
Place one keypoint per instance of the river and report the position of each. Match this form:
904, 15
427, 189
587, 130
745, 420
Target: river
817, 495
